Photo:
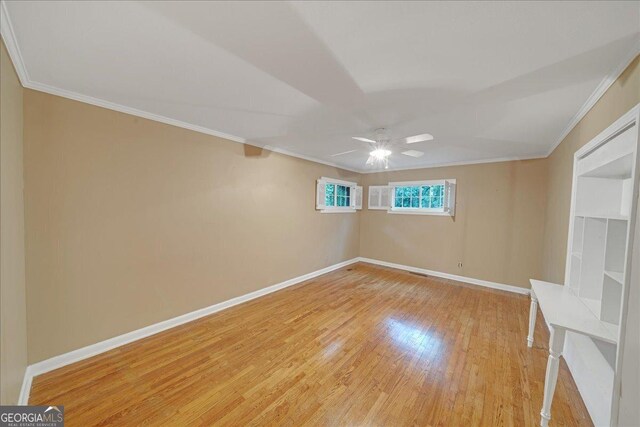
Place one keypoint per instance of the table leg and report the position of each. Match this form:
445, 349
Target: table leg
533, 311
556, 345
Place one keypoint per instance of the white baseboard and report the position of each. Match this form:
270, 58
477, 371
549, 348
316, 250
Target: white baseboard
479, 282
103, 346
23, 399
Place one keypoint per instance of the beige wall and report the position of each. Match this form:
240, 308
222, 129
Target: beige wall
496, 232
13, 321
131, 222
623, 95
124, 213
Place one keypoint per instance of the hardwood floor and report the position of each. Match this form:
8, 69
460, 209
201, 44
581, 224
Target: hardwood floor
364, 345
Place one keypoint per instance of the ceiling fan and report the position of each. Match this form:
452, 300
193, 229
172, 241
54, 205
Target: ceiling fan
382, 143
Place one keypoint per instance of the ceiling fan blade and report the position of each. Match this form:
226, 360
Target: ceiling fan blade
418, 138
364, 139
344, 152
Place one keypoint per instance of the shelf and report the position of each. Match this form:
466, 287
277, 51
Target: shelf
615, 275
611, 160
593, 305
618, 217
561, 307
619, 168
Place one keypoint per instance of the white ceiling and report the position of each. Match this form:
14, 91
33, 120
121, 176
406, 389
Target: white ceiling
490, 80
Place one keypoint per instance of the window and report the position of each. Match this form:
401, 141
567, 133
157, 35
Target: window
419, 196
337, 195
333, 195
415, 197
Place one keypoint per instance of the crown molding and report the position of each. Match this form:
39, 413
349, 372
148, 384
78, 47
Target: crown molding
9, 37
52, 90
463, 163
600, 90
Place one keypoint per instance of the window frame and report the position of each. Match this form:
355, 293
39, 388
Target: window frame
443, 211
352, 189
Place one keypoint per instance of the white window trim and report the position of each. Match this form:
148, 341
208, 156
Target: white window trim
352, 196
418, 211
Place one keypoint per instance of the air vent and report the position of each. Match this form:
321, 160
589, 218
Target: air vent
413, 153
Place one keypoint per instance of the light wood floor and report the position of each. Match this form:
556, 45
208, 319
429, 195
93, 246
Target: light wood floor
364, 345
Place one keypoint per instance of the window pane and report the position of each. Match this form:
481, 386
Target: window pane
329, 194
398, 202
415, 202
348, 191
414, 191
425, 202
341, 190
437, 202
406, 202
347, 200
438, 190
425, 191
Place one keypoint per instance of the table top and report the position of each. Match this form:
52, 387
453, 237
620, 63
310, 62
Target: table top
562, 308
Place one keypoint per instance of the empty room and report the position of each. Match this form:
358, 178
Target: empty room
320, 213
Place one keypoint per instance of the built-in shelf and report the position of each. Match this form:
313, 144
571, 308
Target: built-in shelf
615, 275
593, 305
616, 216
586, 313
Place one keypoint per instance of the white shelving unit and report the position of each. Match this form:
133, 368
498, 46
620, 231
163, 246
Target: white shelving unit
587, 316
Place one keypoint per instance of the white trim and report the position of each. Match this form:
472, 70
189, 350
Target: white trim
631, 116
167, 120
303, 157
443, 211
120, 340
334, 208
462, 163
620, 124
470, 280
417, 183
9, 37
338, 181
23, 399
600, 90
338, 210
129, 110
417, 211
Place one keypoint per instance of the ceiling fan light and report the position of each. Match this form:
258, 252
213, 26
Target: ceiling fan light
380, 153
419, 138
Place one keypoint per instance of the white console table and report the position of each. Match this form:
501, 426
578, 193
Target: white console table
564, 311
